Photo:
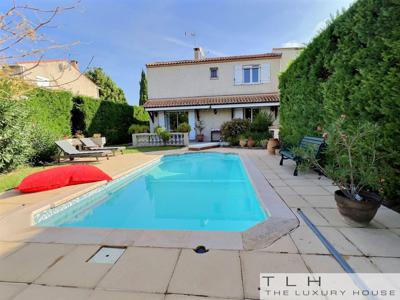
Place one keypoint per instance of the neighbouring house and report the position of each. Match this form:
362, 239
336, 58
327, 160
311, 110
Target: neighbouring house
58, 74
215, 90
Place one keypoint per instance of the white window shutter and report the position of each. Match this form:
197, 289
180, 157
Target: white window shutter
265, 73
238, 75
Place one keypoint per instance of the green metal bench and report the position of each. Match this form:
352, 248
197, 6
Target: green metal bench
316, 144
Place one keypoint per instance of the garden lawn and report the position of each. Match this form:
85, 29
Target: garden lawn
12, 179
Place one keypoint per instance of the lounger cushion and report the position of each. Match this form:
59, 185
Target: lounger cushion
61, 176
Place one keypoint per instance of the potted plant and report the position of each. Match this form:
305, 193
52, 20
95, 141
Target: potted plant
183, 127
165, 136
250, 142
352, 164
242, 141
199, 129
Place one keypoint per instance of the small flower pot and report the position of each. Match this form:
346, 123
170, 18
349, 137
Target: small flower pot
243, 143
251, 142
358, 213
200, 137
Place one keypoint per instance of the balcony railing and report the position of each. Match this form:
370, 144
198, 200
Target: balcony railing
152, 139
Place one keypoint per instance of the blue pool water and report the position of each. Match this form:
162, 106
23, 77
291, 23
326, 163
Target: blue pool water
204, 191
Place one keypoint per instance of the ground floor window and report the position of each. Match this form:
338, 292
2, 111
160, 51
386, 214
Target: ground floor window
251, 113
174, 118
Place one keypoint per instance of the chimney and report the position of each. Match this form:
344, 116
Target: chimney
74, 63
198, 53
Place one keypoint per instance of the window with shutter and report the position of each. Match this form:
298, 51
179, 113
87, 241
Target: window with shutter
238, 75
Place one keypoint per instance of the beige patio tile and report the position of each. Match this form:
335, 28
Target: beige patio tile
122, 237
295, 201
396, 231
72, 235
388, 217
320, 201
361, 264
8, 290
185, 297
330, 188
277, 183
163, 238
310, 190
299, 181
254, 263
7, 248
114, 295
216, 240
374, 242
335, 219
26, 264
283, 245
307, 242
74, 270
39, 292
336, 238
284, 191
322, 263
314, 216
6, 208
215, 274
387, 264
142, 270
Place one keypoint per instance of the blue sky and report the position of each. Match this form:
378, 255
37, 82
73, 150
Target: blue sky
124, 35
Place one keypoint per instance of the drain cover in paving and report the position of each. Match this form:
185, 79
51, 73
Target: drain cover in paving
107, 255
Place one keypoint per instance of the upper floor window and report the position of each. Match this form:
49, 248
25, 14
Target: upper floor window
251, 74
214, 73
42, 81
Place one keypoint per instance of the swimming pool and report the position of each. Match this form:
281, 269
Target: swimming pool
202, 191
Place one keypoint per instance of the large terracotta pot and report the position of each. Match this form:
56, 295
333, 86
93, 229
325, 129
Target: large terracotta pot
251, 142
200, 137
358, 213
271, 146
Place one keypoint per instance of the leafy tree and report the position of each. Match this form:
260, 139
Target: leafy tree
143, 94
108, 88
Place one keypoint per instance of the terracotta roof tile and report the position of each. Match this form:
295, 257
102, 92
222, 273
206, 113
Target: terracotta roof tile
213, 59
212, 100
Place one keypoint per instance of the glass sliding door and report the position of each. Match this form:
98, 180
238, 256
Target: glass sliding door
174, 118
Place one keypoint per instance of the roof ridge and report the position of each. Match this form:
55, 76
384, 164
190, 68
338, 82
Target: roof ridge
215, 59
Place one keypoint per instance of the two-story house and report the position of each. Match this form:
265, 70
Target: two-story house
57, 74
215, 90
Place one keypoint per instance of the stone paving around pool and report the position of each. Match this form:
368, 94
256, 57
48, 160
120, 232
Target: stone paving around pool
30, 269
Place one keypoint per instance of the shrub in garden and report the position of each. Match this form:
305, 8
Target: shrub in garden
231, 130
43, 147
183, 127
14, 134
350, 68
138, 128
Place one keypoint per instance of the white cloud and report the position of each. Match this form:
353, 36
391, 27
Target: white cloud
292, 44
182, 43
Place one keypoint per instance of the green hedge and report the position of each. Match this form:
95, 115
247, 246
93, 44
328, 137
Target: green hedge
51, 110
351, 68
110, 119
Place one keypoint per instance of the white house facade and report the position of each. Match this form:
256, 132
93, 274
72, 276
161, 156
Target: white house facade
215, 90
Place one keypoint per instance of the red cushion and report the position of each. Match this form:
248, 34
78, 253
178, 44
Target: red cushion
61, 176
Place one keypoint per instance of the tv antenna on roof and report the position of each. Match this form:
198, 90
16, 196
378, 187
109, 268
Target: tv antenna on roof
193, 36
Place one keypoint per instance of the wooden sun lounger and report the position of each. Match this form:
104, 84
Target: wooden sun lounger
90, 145
71, 152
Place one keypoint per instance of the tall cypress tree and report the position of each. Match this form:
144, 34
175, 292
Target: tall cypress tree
143, 96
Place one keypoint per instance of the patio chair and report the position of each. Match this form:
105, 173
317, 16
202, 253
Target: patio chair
90, 145
71, 152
